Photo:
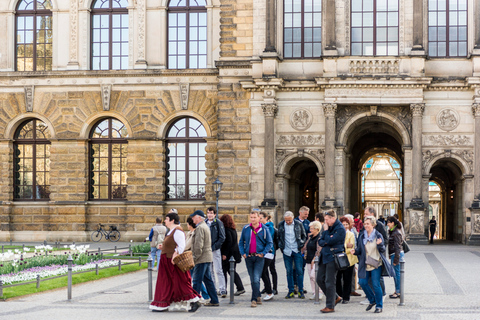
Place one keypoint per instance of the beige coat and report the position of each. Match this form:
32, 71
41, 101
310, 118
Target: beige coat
202, 244
158, 229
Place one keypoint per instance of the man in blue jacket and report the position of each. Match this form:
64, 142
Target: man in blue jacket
255, 243
332, 241
217, 233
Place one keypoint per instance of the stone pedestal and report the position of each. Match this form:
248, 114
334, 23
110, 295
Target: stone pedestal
416, 226
276, 215
474, 238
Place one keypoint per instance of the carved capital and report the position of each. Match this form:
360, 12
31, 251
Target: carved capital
417, 109
476, 109
106, 91
329, 109
29, 93
269, 109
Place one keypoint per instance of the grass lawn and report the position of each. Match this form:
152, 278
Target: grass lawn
32, 248
46, 284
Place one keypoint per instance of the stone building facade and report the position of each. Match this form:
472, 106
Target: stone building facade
285, 125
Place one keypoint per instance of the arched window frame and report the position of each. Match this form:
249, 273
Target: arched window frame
23, 28
389, 29
455, 25
194, 150
34, 151
98, 46
106, 184
196, 34
308, 35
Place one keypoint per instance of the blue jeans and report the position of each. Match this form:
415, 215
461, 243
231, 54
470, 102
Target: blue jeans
375, 295
255, 269
202, 273
289, 262
154, 251
397, 270
205, 293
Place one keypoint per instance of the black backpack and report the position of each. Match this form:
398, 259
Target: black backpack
275, 239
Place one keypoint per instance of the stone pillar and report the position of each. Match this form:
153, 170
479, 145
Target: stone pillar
418, 26
329, 19
269, 110
329, 111
417, 114
475, 209
477, 25
270, 20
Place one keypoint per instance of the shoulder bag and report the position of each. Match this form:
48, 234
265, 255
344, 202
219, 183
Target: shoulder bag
341, 260
405, 246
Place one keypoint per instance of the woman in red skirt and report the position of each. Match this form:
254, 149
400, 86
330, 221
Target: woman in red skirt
174, 287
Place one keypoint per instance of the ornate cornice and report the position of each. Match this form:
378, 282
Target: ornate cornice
417, 109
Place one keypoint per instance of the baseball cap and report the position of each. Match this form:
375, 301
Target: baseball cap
198, 213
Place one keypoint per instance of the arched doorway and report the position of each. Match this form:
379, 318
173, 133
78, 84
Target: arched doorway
303, 187
447, 175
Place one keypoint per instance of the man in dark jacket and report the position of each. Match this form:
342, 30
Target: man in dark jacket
291, 239
217, 232
332, 241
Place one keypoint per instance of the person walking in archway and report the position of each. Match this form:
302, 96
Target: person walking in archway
433, 228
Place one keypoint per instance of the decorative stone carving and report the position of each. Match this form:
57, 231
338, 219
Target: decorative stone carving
372, 92
269, 109
141, 11
416, 221
476, 109
345, 113
301, 119
402, 113
29, 94
300, 140
106, 91
417, 109
441, 140
329, 109
373, 110
476, 223
373, 66
466, 155
320, 154
73, 30
427, 157
184, 93
281, 154
448, 119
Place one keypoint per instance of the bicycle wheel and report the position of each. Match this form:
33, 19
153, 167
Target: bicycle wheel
96, 236
114, 236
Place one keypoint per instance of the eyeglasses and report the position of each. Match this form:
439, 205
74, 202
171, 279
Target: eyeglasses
328, 213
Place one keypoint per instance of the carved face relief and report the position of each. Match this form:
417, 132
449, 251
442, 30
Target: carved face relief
301, 119
448, 119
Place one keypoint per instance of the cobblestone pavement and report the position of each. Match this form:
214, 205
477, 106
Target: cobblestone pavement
441, 283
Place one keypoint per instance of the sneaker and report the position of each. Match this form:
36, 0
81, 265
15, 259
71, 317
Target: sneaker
203, 301
224, 294
312, 297
301, 295
259, 300
290, 295
209, 304
365, 302
254, 304
268, 297
239, 292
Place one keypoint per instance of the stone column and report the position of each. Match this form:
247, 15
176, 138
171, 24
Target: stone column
418, 25
329, 19
270, 27
477, 24
329, 111
269, 110
417, 115
474, 238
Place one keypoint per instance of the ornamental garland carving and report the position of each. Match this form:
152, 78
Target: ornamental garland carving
29, 93
301, 119
300, 140
448, 119
441, 140
184, 93
106, 92
73, 29
141, 29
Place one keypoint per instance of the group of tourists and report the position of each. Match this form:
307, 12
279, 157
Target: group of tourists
304, 245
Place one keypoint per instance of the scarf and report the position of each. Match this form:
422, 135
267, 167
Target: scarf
366, 238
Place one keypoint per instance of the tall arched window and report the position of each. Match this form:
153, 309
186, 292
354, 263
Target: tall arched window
186, 160
302, 33
187, 34
374, 27
109, 35
108, 160
33, 41
447, 28
31, 172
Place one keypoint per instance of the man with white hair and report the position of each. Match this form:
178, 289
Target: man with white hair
291, 239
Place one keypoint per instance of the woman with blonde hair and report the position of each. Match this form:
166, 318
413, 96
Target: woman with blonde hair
310, 251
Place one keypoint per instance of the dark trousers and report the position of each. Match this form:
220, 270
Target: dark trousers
344, 282
255, 268
432, 234
201, 273
326, 278
266, 277
236, 279
273, 272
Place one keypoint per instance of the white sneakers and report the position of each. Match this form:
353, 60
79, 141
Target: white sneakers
365, 302
320, 296
268, 297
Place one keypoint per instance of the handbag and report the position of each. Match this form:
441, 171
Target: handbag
341, 261
372, 262
405, 246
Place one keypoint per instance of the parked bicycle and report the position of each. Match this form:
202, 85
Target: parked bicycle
112, 235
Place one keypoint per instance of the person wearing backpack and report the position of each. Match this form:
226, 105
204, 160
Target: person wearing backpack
156, 237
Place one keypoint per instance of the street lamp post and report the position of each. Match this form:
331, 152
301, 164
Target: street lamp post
217, 186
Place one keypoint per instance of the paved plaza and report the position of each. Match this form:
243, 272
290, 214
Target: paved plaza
441, 283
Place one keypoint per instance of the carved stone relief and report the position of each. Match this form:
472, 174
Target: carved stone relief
345, 113
29, 94
141, 11
73, 30
269, 109
281, 154
466, 155
403, 114
451, 140
184, 93
301, 119
448, 119
476, 223
106, 91
416, 221
300, 140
